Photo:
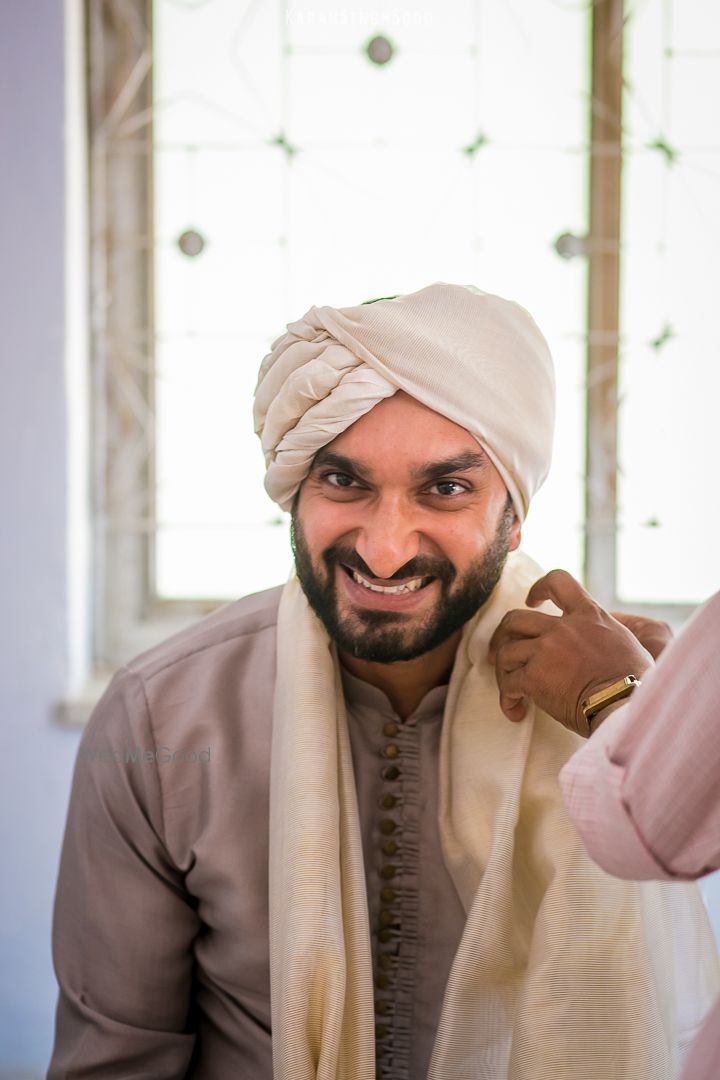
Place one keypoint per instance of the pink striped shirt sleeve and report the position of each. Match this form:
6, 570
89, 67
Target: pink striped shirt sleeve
644, 791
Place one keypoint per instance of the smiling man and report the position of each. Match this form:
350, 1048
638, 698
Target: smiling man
412, 545
373, 874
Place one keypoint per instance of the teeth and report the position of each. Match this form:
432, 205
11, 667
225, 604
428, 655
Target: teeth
407, 586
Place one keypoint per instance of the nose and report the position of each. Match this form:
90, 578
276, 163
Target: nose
388, 538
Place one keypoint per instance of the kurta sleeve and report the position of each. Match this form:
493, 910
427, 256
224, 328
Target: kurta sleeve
643, 791
123, 925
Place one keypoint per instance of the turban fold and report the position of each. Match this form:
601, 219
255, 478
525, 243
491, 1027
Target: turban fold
475, 358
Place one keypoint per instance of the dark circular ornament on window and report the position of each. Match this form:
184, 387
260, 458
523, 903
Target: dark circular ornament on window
191, 243
380, 50
570, 246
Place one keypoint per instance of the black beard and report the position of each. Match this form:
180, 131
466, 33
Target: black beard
376, 635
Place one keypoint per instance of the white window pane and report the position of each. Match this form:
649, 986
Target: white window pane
329, 25
375, 190
213, 563
669, 445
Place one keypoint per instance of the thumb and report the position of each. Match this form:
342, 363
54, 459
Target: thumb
560, 587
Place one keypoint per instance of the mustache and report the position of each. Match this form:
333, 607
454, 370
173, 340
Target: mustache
417, 567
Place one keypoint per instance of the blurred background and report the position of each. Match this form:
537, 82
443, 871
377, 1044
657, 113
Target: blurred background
181, 178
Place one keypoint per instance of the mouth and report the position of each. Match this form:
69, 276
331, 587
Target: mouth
398, 589
389, 595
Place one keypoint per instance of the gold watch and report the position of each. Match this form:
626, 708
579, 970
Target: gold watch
595, 703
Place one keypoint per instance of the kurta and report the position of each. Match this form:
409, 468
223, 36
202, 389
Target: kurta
160, 934
644, 789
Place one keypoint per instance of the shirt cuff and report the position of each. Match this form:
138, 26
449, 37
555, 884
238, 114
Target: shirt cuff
592, 788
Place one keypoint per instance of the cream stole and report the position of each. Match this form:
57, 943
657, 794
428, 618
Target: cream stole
562, 972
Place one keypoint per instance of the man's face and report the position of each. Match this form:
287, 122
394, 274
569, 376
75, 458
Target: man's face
400, 531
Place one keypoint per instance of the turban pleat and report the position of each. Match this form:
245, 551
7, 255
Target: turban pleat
475, 358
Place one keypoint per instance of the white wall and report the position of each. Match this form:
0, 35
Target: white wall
37, 756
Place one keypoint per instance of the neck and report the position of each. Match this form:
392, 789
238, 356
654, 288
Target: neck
406, 682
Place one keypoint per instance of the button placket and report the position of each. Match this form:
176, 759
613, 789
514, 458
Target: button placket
388, 929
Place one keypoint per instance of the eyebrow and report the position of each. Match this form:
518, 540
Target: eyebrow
338, 461
430, 470
465, 462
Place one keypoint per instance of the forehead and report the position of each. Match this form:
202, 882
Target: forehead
402, 426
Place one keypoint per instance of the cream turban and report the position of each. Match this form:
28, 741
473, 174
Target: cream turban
475, 358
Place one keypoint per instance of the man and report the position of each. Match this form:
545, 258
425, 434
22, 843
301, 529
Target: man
374, 873
643, 789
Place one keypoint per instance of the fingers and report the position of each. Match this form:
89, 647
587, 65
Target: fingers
511, 658
653, 635
516, 711
514, 654
560, 587
518, 623
513, 701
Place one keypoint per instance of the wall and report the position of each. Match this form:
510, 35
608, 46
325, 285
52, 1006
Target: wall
37, 756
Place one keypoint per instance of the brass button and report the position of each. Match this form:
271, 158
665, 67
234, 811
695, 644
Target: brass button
387, 895
389, 847
387, 827
385, 935
382, 1008
388, 872
388, 801
390, 729
383, 982
381, 1031
391, 751
386, 918
391, 773
385, 961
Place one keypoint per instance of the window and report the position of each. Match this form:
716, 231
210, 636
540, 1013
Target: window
248, 161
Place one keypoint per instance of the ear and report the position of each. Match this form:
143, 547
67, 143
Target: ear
515, 534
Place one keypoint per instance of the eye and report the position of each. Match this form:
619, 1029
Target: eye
339, 479
448, 488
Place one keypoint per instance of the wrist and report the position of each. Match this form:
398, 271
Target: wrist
604, 714
597, 699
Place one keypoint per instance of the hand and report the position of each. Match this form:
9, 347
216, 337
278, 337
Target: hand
558, 661
652, 634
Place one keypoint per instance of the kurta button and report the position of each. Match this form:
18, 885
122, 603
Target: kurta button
391, 773
387, 826
385, 961
383, 982
390, 729
388, 801
386, 918
387, 895
388, 872
391, 751
385, 935
382, 1008
389, 847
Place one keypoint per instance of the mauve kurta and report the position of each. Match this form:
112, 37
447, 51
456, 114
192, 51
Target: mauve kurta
645, 789
160, 934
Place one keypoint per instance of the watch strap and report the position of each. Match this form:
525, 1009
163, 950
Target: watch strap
595, 703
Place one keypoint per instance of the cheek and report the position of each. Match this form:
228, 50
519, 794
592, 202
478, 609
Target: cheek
325, 523
463, 539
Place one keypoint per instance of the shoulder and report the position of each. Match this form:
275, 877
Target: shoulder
218, 675
238, 627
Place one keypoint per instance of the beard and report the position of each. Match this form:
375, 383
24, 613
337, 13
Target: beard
386, 637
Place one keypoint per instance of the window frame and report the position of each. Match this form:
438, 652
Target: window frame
127, 615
